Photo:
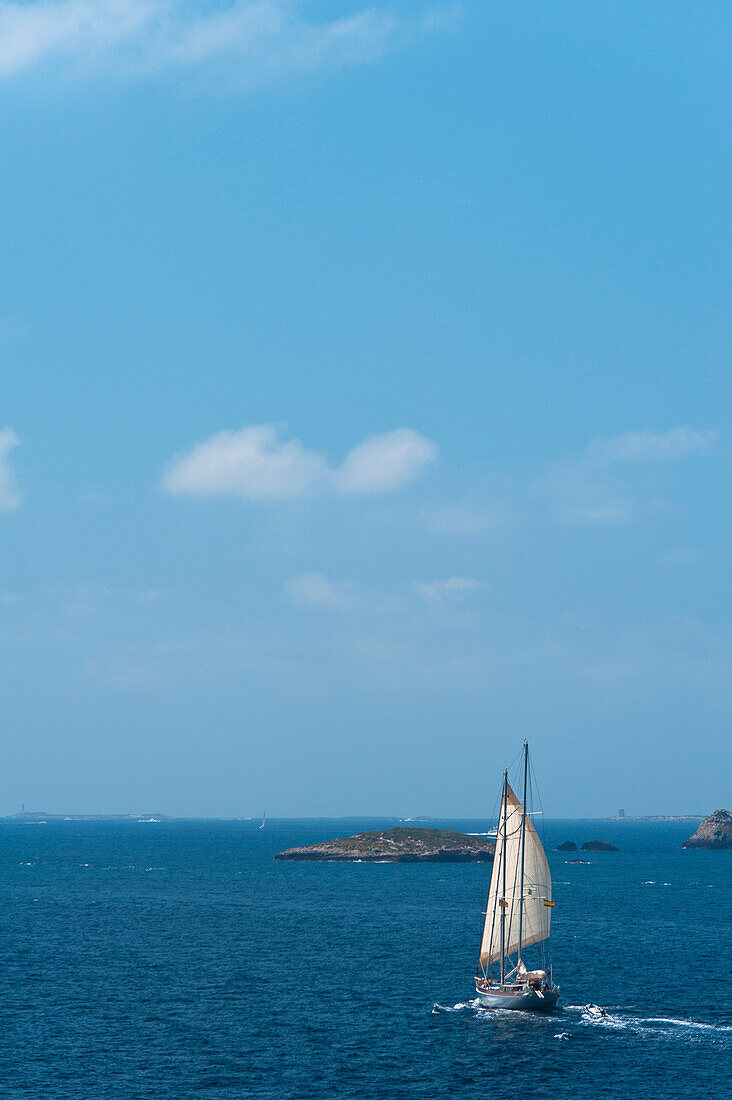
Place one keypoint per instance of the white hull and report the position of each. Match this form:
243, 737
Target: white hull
527, 1000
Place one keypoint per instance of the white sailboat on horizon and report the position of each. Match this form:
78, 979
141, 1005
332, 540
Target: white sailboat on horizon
518, 914
264, 820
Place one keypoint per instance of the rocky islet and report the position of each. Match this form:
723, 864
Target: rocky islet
715, 831
399, 845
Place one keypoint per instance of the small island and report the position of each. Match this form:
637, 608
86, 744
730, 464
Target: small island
401, 845
567, 846
715, 831
598, 846
38, 817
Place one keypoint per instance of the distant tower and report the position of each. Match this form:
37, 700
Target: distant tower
621, 813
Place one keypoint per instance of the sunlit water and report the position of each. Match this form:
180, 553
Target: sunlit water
179, 960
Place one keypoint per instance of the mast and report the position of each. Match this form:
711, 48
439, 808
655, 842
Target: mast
523, 851
503, 887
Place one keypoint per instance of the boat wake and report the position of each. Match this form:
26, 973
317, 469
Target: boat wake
459, 1007
616, 1019
688, 1023
482, 1012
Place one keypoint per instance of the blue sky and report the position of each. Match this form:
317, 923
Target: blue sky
365, 405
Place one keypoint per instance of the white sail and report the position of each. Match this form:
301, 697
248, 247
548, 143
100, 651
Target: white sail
536, 917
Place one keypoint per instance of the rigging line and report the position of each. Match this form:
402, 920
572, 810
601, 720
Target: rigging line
503, 910
516, 761
536, 794
523, 848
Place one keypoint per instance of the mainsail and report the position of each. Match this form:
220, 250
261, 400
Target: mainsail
527, 924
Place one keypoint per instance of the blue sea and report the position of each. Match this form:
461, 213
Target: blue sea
179, 960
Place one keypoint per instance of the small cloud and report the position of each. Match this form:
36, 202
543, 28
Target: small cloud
252, 462
247, 41
648, 446
10, 497
580, 494
314, 590
384, 462
436, 591
594, 488
257, 464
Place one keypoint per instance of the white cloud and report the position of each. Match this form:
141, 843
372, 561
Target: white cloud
315, 591
384, 462
252, 462
10, 497
598, 486
41, 31
256, 39
582, 494
256, 463
436, 591
647, 446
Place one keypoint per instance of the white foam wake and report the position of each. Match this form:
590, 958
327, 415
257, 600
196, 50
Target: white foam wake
687, 1023
648, 1025
459, 1007
616, 1019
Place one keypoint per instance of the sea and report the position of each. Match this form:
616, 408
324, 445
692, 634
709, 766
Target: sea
177, 959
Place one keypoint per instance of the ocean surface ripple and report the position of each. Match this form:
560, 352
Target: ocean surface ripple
173, 960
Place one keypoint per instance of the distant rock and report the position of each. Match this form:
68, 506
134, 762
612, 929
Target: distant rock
401, 845
598, 846
567, 846
715, 831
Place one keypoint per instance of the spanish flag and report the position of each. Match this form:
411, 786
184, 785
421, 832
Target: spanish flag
548, 903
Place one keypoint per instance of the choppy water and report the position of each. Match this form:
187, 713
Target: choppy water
179, 960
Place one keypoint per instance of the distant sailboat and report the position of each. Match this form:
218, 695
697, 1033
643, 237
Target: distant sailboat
518, 914
264, 820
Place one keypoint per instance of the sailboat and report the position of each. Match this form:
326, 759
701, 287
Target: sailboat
518, 914
264, 820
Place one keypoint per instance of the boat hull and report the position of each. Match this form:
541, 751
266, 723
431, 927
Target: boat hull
526, 1000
